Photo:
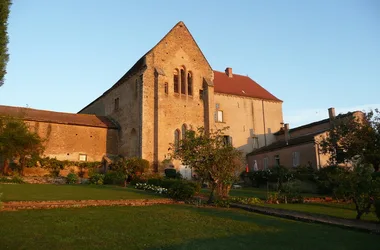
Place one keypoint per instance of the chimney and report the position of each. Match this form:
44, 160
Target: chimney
286, 132
331, 113
229, 72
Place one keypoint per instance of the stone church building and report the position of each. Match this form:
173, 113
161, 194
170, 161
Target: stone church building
170, 89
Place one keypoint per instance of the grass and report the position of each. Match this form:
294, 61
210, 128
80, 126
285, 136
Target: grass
43, 192
168, 227
346, 211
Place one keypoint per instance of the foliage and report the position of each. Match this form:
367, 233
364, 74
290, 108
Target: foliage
214, 161
13, 179
327, 179
96, 179
246, 200
114, 178
72, 178
132, 168
354, 137
377, 208
291, 192
359, 186
304, 173
181, 190
277, 174
171, 173
4, 56
16, 141
153, 188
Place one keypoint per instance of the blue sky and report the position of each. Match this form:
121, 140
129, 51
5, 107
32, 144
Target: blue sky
311, 54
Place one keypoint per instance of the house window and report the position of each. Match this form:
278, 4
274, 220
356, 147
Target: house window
183, 82
277, 160
219, 116
296, 159
201, 94
116, 107
175, 81
82, 157
217, 106
184, 128
189, 83
166, 86
227, 140
176, 138
265, 162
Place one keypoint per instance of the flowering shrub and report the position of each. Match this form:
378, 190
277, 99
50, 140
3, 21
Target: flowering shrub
153, 188
246, 201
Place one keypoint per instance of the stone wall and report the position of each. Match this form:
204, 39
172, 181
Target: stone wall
249, 117
163, 112
68, 142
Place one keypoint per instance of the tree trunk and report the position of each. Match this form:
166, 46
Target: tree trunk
359, 213
6, 167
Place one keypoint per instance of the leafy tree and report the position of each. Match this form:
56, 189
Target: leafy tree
213, 160
360, 187
17, 141
354, 137
130, 168
4, 56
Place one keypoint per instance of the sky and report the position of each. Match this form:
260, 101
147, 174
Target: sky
312, 54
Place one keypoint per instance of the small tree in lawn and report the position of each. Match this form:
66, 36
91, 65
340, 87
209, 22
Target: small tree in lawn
211, 157
353, 137
359, 187
16, 141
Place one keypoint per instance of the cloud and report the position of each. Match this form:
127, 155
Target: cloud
301, 117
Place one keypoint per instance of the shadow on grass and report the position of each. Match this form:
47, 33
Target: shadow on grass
119, 189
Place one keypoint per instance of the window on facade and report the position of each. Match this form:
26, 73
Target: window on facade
183, 82
265, 162
176, 138
184, 128
136, 88
277, 160
217, 106
116, 106
201, 94
176, 81
296, 159
227, 140
189, 83
219, 116
166, 86
82, 157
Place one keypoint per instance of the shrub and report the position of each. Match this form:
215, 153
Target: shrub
247, 200
304, 173
377, 208
327, 179
72, 178
14, 179
171, 173
291, 192
96, 179
114, 178
181, 190
148, 187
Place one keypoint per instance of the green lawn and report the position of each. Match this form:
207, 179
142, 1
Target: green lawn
169, 227
40, 192
338, 210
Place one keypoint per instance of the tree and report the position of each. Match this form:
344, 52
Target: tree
360, 187
17, 141
212, 158
4, 56
354, 137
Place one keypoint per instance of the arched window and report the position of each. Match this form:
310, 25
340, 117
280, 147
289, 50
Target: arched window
184, 128
183, 81
189, 83
176, 138
176, 81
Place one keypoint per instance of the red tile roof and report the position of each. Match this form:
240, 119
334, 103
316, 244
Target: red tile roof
29, 114
241, 86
